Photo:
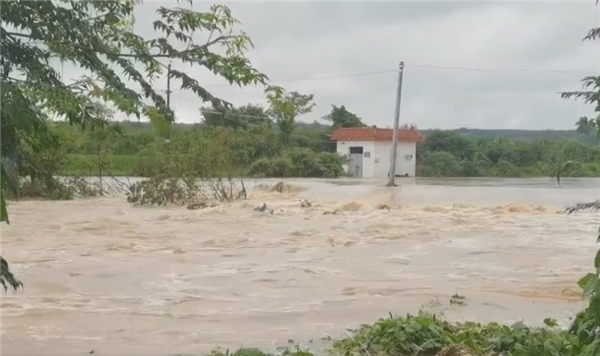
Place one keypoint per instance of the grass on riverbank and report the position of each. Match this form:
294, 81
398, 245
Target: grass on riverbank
427, 335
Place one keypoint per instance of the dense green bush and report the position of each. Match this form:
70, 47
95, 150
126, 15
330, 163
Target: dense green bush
93, 165
299, 162
272, 167
442, 154
426, 334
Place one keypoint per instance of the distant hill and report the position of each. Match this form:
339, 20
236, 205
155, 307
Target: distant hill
521, 135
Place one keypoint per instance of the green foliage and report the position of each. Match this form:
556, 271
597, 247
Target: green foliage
98, 36
341, 117
285, 108
200, 154
442, 154
442, 164
185, 190
272, 167
586, 325
7, 187
297, 351
243, 117
191, 167
523, 135
449, 154
299, 162
113, 165
589, 95
6, 276
426, 334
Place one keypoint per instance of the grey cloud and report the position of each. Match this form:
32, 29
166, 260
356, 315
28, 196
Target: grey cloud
311, 39
306, 21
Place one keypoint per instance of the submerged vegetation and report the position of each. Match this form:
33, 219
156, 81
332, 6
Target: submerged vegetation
205, 161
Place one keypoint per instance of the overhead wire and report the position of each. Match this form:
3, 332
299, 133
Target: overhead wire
498, 70
434, 67
420, 66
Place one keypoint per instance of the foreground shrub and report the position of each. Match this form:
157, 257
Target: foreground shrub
587, 323
33, 174
257, 352
57, 189
278, 167
185, 191
426, 334
191, 167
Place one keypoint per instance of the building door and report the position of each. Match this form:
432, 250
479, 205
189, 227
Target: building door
355, 168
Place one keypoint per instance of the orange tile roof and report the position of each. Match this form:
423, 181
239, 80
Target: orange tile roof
374, 133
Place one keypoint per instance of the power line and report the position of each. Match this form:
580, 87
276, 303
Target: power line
498, 70
309, 79
341, 76
421, 66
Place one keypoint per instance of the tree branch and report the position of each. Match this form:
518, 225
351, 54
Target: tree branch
593, 206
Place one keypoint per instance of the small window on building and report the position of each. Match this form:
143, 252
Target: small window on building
367, 154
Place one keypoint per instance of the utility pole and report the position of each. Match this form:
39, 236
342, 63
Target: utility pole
169, 86
392, 178
169, 98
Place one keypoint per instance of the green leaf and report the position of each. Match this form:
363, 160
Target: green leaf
586, 281
6, 185
3, 210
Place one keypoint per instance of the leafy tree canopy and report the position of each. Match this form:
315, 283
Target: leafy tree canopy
242, 117
285, 109
98, 37
341, 117
590, 94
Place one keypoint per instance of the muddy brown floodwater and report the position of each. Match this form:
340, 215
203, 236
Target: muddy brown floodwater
103, 275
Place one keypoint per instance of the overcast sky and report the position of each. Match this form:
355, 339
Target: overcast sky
297, 44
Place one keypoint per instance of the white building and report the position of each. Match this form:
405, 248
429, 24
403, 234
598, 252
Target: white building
369, 150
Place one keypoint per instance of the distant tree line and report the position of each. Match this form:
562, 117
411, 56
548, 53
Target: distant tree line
268, 144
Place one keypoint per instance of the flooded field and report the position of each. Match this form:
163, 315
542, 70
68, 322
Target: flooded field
103, 275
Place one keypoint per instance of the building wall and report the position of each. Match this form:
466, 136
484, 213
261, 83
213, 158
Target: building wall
378, 164
406, 158
343, 148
